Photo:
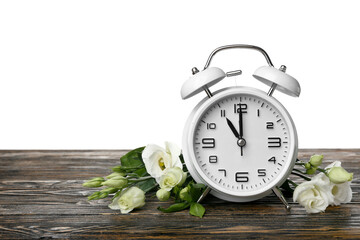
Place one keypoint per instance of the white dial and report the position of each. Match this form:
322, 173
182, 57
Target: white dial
241, 143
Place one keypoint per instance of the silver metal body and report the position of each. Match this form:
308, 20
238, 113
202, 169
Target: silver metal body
293, 90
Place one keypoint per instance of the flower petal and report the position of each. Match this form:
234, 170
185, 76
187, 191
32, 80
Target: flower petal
151, 155
115, 204
150, 149
342, 193
334, 164
174, 151
171, 178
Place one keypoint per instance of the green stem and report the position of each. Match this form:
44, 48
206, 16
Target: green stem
301, 175
132, 175
297, 170
321, 170
151, 188
292, 183
140, 179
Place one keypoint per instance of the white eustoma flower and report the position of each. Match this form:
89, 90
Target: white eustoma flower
129, 199
171, 178
314, 195
158, 159
342, 193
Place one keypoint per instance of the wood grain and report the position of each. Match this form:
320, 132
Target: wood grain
41, 197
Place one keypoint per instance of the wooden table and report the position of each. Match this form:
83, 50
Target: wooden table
41, 197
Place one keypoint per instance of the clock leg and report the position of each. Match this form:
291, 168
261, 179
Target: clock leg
278, 193
203, 195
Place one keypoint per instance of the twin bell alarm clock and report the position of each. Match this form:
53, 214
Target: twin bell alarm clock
240, 141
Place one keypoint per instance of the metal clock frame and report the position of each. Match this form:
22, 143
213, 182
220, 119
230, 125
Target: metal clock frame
194, 168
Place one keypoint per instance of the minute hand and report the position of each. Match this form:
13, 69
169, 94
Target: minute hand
241, 133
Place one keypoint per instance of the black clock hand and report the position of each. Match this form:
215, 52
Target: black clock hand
241, 141
233, 129
241, 133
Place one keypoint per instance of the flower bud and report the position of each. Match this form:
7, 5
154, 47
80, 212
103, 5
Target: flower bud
118, 169
116, 182
311, 170
184, 193
93, 183
339, 175
162, 194
97, 179
103, 195
316, 160
109, 190
115, 174
94, 196
307, 165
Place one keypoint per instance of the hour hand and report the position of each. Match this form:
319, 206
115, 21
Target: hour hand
233, 129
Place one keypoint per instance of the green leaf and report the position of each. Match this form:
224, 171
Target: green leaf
175, 193
187, 197
199, 185
196, 190
132, 159
147, 185
188, 180
141, 172
175, 207
122, 169
196, 209
287, 190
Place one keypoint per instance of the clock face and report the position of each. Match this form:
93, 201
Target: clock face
243, 143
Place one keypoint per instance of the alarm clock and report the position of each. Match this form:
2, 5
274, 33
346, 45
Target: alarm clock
240, 141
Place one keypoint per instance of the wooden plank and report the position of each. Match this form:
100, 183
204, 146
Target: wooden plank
41, 197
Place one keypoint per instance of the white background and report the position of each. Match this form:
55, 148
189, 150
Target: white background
107, 74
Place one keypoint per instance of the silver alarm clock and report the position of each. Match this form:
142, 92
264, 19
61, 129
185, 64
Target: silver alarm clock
240, 141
